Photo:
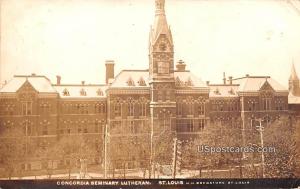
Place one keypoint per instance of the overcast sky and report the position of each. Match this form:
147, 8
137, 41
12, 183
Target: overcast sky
73, 38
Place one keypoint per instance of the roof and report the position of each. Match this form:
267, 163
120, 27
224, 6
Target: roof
186, 77
140, 79
81, 91
294, 75
223, 90
131, 78
40, 83
293, 99
255, 83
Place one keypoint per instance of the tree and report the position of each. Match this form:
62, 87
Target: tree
280, 135
216, 135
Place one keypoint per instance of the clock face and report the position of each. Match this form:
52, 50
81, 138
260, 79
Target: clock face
162, 46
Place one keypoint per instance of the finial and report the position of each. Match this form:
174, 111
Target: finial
160, 6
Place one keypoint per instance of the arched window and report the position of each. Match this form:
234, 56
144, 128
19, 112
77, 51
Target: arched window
130, 107
143, 106
179, 106
27, 127
117, 108
190, 105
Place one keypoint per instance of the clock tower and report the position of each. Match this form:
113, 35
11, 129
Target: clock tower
161, 72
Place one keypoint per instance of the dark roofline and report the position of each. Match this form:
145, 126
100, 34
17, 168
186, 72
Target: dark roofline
182, 71
146, 70
79, 85
267, 77
225, 85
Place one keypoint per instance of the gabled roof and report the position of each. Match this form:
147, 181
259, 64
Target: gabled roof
131, 79
186, 77
40, 83
81, 91
222, 90
255, 83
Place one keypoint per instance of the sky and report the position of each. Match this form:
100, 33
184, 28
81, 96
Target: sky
73, 38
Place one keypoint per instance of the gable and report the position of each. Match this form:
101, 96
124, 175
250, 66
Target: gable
26, 87
163, 44
266, 87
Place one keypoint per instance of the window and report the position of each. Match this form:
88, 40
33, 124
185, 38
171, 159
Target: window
163, 68
130, 107
85, 130
190, 106
27, 127
189, 82
160, 95
190, 126
131, 127
117, 108
82, 92
45, 129
251, 105
266, 103
201, 109
99, 126
99, 92
142, 82
279, 104
68, 129
179, 108
27, 108
66, 92
201, 124
45, 108
143, 107
79, 128
130, 82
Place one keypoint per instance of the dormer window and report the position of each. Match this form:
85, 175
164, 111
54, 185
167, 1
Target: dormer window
82, 92
99, 92
231, 91
178, 81
217, 92
130, 82
66, 92
142, 82
189, 82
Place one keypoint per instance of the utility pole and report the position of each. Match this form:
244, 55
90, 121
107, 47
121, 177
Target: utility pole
260, 128
105, 151
174, 158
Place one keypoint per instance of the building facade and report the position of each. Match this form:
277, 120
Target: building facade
135, 105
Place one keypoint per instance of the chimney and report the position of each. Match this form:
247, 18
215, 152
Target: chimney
247, 75
180, 66
110, 72
58, 80
207, 83
82, 82
224, 78
230, 80
33, 74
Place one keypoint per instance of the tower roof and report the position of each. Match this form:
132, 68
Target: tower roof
160, 25
294, 75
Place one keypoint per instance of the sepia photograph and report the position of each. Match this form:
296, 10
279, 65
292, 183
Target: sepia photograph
149, 93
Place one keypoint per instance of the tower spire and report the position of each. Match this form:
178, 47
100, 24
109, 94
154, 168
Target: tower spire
294, 75
160, 26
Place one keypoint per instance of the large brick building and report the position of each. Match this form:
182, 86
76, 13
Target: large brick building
135, 105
